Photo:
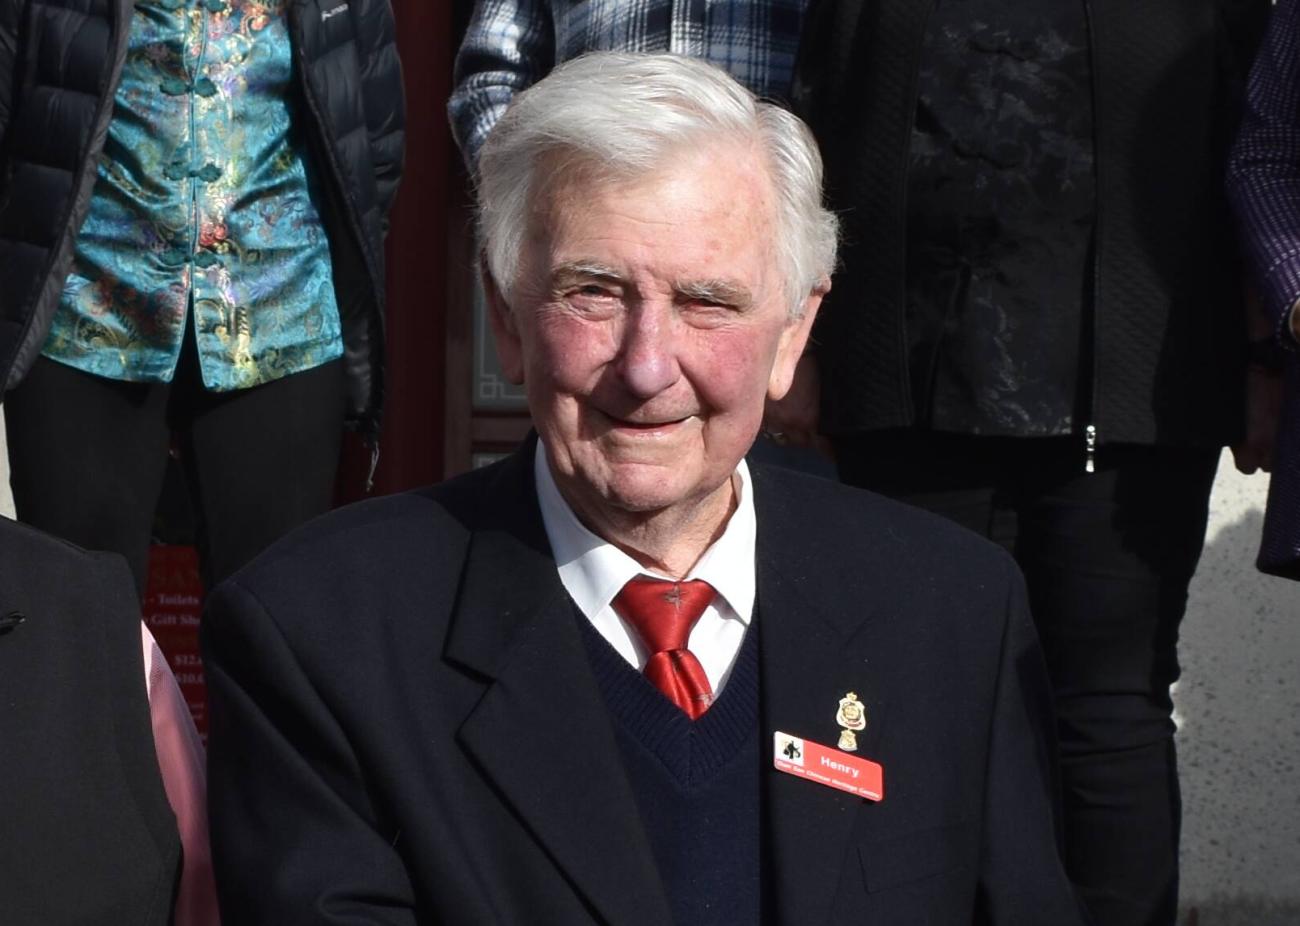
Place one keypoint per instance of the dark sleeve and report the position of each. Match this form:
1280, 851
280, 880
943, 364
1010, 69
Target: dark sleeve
10, 15
294, 834
1264, 169
826, 50
1022, 877
383, 97
508, 46
1242, 23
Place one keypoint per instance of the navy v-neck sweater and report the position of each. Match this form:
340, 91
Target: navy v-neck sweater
696, 783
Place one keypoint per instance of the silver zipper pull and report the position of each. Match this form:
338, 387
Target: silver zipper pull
1090, 449
374, 464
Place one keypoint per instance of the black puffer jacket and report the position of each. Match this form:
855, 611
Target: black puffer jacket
60, 61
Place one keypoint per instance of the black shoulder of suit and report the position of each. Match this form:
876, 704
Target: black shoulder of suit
80, 792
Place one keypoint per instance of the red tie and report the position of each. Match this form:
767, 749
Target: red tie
663, 614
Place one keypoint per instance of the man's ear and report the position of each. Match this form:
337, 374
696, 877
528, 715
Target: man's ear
505, 330
793, 341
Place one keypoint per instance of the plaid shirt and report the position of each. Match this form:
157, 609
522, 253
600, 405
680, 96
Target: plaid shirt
511, 44
1264, 171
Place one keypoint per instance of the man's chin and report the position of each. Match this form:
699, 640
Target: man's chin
634, 498
629, 491
648, 498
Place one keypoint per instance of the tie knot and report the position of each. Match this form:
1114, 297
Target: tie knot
663, 612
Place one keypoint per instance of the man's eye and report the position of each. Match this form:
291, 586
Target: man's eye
708, 304
591, 291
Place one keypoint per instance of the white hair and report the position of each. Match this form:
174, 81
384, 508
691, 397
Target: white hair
625, 115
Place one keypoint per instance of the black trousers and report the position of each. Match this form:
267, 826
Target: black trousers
1108, 557
88, 456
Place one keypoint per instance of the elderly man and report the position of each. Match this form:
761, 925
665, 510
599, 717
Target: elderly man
622, 677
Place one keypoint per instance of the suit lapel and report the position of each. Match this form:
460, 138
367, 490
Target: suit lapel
542, 733
808, 662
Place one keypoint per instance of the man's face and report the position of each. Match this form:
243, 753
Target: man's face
648, 324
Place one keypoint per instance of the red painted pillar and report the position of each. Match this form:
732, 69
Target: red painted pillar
411, 442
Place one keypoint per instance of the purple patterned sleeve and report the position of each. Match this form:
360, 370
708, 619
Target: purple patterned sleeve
1264, 170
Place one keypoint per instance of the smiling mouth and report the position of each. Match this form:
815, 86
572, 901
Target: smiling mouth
647, 427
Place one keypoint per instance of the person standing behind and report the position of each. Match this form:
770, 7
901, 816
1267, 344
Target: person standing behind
1264, 185
1036, 331
193, 201
512, 44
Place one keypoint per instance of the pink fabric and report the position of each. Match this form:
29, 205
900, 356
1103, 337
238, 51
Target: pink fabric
180, 759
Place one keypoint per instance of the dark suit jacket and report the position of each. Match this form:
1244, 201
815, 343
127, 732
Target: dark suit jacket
405, 727
86, 834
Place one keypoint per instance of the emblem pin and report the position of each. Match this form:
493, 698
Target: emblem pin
852, 716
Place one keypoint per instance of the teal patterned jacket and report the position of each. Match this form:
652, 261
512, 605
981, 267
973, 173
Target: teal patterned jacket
205, 205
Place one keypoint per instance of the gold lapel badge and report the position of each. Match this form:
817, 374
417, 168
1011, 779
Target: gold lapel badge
852, 716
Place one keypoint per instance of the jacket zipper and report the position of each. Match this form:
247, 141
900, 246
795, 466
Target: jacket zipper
374, 464
1090, 437
348, 207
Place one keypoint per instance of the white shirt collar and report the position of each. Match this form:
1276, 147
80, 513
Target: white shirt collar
594, 570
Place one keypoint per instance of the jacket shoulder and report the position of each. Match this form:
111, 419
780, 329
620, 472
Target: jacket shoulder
423, 525
381, 559
74, 696
886, 542
46, 567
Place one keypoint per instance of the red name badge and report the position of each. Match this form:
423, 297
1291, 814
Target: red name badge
827, 766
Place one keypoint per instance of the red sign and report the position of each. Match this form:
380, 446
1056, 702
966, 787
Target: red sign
831, 767
173, 603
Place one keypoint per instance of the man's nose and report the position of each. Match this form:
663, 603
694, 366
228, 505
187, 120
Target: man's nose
648, 362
